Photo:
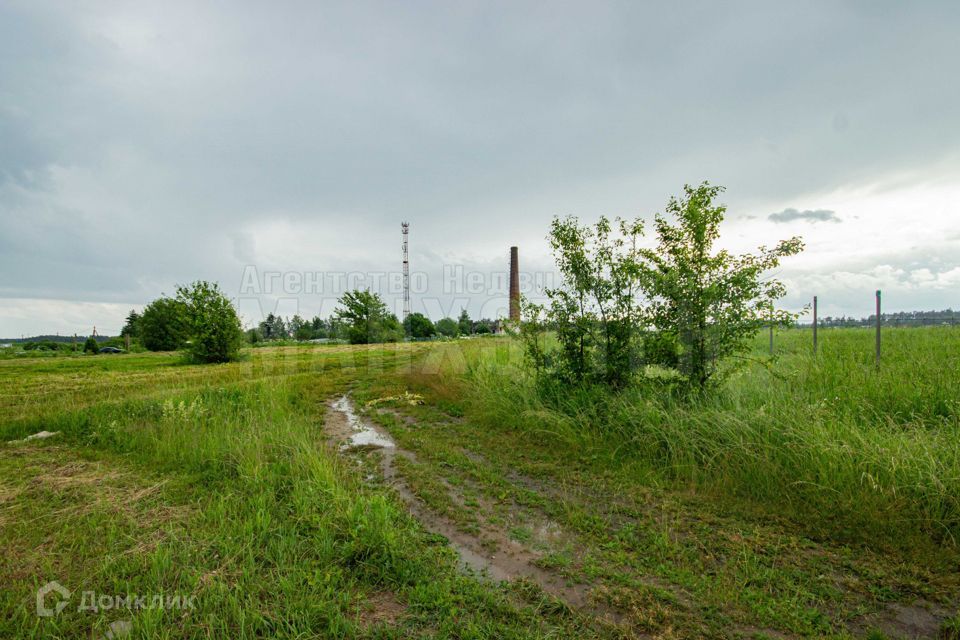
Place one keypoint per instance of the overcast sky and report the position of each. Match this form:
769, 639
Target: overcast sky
148, 144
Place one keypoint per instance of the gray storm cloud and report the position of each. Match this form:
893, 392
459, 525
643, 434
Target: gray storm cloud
817, 215
144, 145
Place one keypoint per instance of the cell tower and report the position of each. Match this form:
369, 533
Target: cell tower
405, 226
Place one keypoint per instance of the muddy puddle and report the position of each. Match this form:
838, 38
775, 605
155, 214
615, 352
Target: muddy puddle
509, 560
362, 432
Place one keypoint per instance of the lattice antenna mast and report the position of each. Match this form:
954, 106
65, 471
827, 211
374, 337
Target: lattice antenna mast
405, 226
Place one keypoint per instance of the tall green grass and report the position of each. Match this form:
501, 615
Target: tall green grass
283, 537
850, 450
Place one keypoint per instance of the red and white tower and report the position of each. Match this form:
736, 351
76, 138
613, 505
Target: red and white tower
405, 227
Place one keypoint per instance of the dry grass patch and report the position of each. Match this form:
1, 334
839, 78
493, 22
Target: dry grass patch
381, 609
52, 500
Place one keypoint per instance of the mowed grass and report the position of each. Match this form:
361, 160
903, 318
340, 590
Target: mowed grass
32, 388
216, 484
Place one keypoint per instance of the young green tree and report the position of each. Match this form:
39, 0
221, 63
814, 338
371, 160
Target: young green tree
465, 323
417, 325
595, 312
448, 327
132, 327
367, 318
212, 323
91, 345
319, 328
280, 331
299, 328
336, 328
268, 327
484, 325
710, 302
163, 325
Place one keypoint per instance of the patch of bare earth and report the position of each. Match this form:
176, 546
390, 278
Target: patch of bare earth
919, 619
486, 550
381, 608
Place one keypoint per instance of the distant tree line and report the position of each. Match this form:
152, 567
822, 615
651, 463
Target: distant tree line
49, 341
202, 321
419, 327
86, 344
899, 319
363, 318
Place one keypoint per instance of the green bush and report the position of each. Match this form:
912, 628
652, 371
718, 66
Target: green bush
705, 304
163, 325
367, 319
417, 325
212, 323
661, 348
448, 327
713, 301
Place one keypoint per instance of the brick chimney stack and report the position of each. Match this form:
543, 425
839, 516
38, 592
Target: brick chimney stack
514, 285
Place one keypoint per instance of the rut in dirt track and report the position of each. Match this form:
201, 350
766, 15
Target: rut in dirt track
509, 561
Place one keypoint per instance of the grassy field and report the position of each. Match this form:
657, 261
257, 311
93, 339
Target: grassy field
814, 497
879, 449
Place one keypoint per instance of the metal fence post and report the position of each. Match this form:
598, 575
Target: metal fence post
878, 328
814, 325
